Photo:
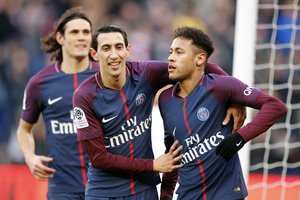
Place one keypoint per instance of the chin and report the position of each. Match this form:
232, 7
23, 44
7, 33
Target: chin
172, 78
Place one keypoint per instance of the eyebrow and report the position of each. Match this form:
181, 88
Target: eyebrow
176, 48
120, 43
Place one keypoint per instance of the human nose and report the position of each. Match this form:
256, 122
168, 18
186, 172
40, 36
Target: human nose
114, 53
170, 58
83, 36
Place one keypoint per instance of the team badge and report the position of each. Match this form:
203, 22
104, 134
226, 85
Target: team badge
80, 119
203, 114
140, 99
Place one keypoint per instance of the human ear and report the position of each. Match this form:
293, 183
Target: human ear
94, 54
200, 58
59, 38
128, 48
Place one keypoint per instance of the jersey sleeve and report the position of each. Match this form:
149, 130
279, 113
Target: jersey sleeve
270, 108
102, 159
31, 102
157, 74
87, 124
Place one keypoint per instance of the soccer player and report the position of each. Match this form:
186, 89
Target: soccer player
113, 117
192, 112
50, 92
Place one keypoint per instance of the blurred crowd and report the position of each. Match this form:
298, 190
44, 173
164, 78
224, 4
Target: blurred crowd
149, 25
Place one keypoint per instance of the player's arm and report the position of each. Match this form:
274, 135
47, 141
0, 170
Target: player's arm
235, 111
37, 164
270, 110
101, 158
169, 179
90, 132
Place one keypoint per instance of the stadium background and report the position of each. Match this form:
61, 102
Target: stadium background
149, 24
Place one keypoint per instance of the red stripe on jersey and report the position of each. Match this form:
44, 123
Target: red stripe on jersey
203, 177
185, 118
131, 149
198, 159
80, 147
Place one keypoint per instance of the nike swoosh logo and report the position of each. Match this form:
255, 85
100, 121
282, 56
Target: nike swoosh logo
109, 119
174, 131
238, 144
53, 101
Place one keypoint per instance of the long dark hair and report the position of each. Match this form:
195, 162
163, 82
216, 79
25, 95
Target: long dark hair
49, 43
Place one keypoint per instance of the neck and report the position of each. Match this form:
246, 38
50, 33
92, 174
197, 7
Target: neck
188, 85
114, 82
72, 66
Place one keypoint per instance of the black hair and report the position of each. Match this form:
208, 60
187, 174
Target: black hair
200, 39
108, 28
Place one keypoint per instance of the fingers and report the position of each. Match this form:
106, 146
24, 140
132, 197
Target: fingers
177, 162
176, 151
237, 124
238, 113
40, 170
44, 167
173, 147
42, 176
227, 118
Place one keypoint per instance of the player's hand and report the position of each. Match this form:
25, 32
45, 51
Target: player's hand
230, 145
38, 167
169, 161
239, 115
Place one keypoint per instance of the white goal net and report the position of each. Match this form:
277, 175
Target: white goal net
270, 60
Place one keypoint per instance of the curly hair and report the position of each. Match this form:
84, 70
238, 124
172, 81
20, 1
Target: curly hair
197, 36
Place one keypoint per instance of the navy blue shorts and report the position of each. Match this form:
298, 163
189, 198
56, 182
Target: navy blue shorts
144, 195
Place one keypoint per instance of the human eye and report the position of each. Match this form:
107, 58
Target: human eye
86, 32
179, 52
119, 47
105, 48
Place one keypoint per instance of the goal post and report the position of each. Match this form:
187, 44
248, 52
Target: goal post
244, 57
267, 56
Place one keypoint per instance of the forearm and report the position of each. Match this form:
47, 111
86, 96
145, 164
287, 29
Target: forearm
25, 139
271, 110
168, 184
101, 158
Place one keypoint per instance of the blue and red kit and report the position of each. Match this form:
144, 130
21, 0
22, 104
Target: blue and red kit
50, 92
196, 122
115, 126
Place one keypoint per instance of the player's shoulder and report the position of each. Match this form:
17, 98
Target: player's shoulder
166, 94
88, 86
220, 80
43, 74
141, 66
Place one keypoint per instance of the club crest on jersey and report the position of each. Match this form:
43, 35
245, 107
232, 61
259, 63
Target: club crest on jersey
203, 114
80, 119
140, 99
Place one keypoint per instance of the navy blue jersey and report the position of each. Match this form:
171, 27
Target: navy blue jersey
122, 119
50, 92
196, 122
